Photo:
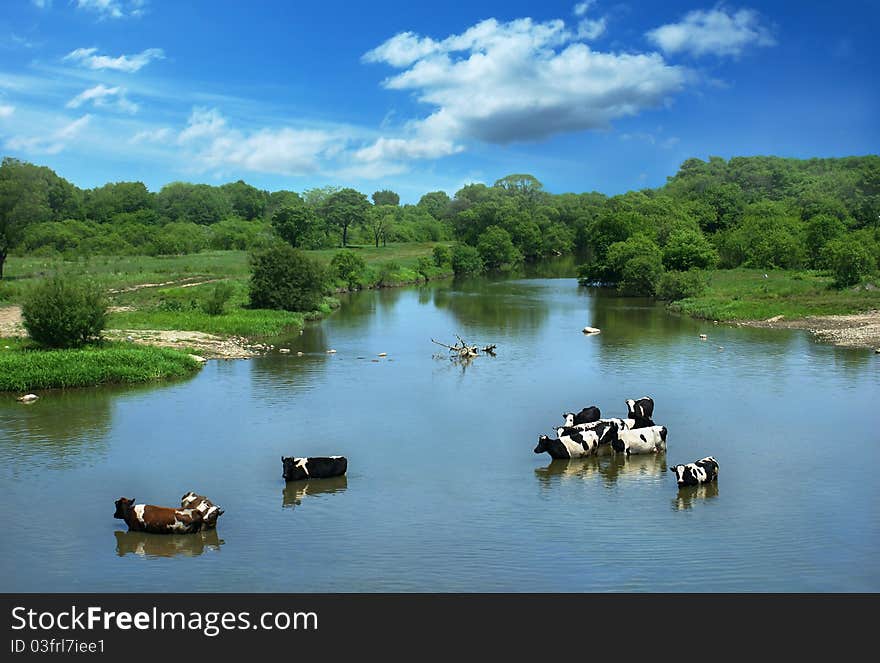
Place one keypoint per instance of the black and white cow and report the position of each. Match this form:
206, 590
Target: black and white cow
577, 444
640, 440
605, 430
642, 410
210, 511
316, 467
585, 416
700, 471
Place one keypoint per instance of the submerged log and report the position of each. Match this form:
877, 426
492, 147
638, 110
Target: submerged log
464, 350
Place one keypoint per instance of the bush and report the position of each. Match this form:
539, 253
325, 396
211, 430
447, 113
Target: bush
215, 302
348, 266
284, 278
496, 248
64, 312
848, 261
641, 275
688, 249
466, 260
442, 256
681, 285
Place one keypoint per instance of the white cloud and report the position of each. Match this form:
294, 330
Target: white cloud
87, 57
160, 135
516, 81
52, 143
102, 96
285, 151
713, 31
42, 4
588, 28
581, 8
6, 110
112, 8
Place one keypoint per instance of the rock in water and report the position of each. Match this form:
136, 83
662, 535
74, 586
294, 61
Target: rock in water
28, 398
591, 330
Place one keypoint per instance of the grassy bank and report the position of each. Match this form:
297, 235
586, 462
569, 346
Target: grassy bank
744, 294
25, 368
166, 292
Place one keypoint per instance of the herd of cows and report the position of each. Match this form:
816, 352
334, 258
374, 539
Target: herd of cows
587, 434
584, 434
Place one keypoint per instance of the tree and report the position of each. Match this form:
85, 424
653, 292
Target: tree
496, 248
386, 197
641, 275
298, 225
247, 202
197, 203
820, 230
379, 220
466, 260
285, 278
848, 261
104, 203
435, 203
525, 187
24, 200
64, 311
349, 267
688, 249
621, 253
442, 256
344, 209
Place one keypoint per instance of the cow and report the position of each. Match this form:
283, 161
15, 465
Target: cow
640, 440
210, 511
157, 519
316, 467
576, 445
641, 408
585, 416
700, 471
605, 429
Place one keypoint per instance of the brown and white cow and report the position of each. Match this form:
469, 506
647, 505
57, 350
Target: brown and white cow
210, 511
157, 519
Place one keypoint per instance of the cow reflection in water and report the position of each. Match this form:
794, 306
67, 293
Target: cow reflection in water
634, 468
568, 470
145, 544
295, 491
688, 496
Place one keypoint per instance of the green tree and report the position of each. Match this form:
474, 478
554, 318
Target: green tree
688, 249
442, 256
435, 203
196, 203
466, 260
848, 261
379, 220
385, 197
821, 229
285, 278
496, 248
681, 285
298, 225
64, 311
344, 209
348, 266
641, 275
247, 202
621, 253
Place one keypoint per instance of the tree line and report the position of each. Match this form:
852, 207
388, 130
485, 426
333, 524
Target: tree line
762, 212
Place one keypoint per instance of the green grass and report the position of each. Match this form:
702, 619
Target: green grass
744, 294
237, 321
23, 367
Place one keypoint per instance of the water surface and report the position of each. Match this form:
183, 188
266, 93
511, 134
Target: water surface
443, 491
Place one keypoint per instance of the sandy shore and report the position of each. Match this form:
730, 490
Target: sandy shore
858, 330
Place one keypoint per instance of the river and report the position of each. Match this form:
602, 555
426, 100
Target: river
444, 492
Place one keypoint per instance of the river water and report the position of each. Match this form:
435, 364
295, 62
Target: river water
444, 492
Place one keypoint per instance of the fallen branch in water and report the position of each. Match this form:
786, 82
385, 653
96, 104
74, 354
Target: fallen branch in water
464, 350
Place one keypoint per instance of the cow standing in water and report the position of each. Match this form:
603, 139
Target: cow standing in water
585, 416
210, 511
575, 445
642, 410
316, 467
640, 440
157, 519
693, 474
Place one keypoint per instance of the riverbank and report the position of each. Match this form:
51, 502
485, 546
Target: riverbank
23, 367
789, 299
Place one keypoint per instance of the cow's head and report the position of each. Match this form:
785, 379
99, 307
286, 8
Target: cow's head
542, 444
682, 474
569, 418
123, 506
663, 433
609, 434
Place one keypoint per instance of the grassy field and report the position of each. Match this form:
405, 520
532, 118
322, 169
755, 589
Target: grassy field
744, 294
25, 368
180, 283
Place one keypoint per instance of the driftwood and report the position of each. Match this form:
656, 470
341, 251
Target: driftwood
464, 350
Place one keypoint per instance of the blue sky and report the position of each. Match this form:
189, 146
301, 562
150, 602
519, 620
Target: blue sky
417, 97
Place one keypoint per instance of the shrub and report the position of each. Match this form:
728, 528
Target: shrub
466, 260
688, 249
63, 312
681, 285
848, 261
215, 302
641, 275
388, 273
348, 266
442, 256
286, 279
425, 267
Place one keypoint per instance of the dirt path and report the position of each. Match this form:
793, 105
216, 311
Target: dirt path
188, 282
858, 330
205, 345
